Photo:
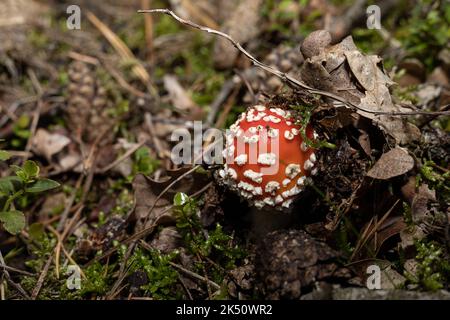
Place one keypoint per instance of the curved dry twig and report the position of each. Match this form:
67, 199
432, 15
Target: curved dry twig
291, 81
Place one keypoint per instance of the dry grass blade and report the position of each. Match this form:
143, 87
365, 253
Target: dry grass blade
168, 188
145, 245
151, 128
199, 14
123, 51
370, 232
11, 269
148, 23
122, 157
41, 278
16, 286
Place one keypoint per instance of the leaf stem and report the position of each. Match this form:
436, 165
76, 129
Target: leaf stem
11, 199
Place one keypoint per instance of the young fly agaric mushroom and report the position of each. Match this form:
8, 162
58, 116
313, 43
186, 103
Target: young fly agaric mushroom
267, 161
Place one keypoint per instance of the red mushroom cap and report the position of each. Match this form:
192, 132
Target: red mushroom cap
267, 161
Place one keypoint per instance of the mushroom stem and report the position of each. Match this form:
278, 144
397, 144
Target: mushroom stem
266, 220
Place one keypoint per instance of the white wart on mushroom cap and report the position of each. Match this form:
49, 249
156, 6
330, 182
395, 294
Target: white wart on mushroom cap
263, 139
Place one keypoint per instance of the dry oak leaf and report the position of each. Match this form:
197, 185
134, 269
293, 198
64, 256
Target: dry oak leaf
47, 144
392, 164
360, 79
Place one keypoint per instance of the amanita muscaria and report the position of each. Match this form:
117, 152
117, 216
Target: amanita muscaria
267, 161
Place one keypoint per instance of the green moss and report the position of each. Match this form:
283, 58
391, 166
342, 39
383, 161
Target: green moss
368, 40
38, 39
124, 203
97, 281
405, 94
436, 180
425, 32
133, 34
199, 63
303, 119
407, 215
166, 25
433, 270
162, 278
143, 162
217, 245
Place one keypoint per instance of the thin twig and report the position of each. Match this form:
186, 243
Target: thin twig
168, 188
138, 235
124, 52
195, 275
41, 278
83, 58
185, 287
148, 26
16, 286
226, 90
122, 157
151, 128
11, 269
147, 246
60, 247
369, 232
46, 268
295, 83
69, 204
228, 106
244, 79
122, 274
16, 104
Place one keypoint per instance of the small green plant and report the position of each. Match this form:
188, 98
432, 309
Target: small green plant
305, 117
162, 278
21, 131
216, 244
4, 155
426, 32
407, 215
13, 188
143, 162
437, 181
433, 269
98, 279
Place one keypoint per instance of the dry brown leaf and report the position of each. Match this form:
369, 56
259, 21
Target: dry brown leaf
419, 205
409, 235
343, 70
392, 164
52, 203
144, 197
364, 142
47, 144
167, 240
392, 227
70, 161
180, 98
411, 266
147, 190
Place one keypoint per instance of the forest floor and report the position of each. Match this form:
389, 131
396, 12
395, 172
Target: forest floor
92, 207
